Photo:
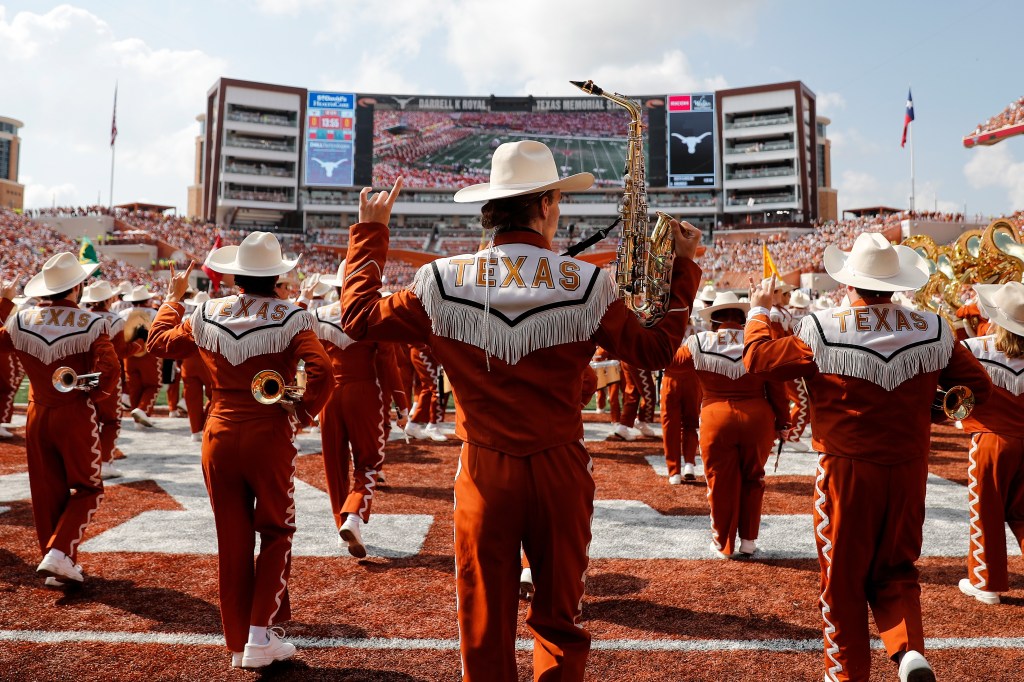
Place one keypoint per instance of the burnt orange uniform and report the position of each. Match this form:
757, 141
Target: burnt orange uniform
195, 378
390, 376
639, 389
871, 370
995, 490
108, 410
739, 416
248, 454
428, 408
11, 375
353, 417
612, 392
62, 432
141, 370
680, 412
524, 475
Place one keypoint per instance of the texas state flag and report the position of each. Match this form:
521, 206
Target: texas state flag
908, 118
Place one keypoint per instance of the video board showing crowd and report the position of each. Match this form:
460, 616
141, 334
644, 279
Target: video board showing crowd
692, 146
446, 142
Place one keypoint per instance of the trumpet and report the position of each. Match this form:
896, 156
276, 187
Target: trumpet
66, 380
269, 388
956, 403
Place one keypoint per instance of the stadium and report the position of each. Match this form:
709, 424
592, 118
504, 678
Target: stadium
750, 167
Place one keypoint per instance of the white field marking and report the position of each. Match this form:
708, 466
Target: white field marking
4, 509
630, 529
424, 644
167, 456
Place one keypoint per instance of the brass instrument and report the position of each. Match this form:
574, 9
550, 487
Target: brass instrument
138, 318
66, 380
956, 403
643, 269
269, 388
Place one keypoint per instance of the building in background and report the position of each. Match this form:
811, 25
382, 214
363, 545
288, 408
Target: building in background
272, 156
828, 196
12, 193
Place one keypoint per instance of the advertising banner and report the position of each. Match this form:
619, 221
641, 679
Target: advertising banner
692, 142
330, 139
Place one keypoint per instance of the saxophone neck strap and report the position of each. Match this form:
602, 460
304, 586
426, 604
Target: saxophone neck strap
581, 246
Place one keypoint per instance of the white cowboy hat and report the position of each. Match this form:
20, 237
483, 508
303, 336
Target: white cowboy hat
199, 299
60, 273
138, 294
1003, 304
97, 292
780, 286
519, 168
259, 255
799, 300
708, 293
875, 264
123, 288
820, 304
725, 300
335, 281
698, 305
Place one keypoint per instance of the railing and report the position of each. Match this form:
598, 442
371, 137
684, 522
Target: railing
275, 197
765, 173
259, 144
265, 119
757, 121
759, 147
259, 170
767, 199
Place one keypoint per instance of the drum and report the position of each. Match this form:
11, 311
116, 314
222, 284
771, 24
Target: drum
608, 372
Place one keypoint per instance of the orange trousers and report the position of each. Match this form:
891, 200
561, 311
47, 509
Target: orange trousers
353, 416
995, 498
143, 377
108, 412
639, 389
868, 525
11, 375
611, 394
195, 404
249, 469
543, 503
800, 412
63, 450
428, 399
680, 416
735, 440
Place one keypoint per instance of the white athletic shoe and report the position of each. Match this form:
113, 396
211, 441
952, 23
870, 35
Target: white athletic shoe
598, 410
914, 668
646, 430
417, 431
108, 470
262, 655
61, 568
434, 434
141, 417
174, 413
688, 472
984, 596
747, 547
351, 533
53, 582
717, 553
675, 479
526, 588
622, 431
236, 659
381, 480
197, 437
799, 446
4, 433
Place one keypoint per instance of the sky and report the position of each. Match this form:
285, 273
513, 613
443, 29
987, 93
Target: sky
59, 64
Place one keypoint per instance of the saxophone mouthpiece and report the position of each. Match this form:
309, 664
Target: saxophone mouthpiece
588, 87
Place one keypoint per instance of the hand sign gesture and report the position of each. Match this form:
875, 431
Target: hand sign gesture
376, 208
178, 284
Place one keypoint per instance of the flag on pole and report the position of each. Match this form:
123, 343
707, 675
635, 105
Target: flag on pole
768, 268
907, 118
87, 253
215, 277
113, 120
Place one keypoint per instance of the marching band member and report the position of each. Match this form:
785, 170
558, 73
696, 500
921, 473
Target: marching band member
740, 416
353, 417
426, 410
514, 326
98, 297
871, 368
681, 397
196, 378
638, 391
124, 288
11, 374
609, 395
996, 471
248, 454
61, 433
141, 368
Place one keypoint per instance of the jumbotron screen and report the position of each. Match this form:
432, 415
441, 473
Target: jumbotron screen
446, 142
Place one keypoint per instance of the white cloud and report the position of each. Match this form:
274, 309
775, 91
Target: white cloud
291, 7
996, 167
858, 189
670, 73
64, 68
828, 103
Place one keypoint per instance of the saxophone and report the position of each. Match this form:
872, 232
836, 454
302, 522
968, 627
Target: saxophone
643, 267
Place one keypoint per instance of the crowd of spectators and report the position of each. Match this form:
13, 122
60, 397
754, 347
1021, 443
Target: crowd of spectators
1012, 115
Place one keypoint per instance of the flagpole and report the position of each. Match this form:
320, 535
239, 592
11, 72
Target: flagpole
910, 133
113, 148
111, 196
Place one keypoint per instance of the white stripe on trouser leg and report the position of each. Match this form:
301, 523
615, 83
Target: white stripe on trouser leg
826, 551
97, 466
371, 476
290, 522
973, 506
455, 505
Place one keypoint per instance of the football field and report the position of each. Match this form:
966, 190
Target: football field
658, 605
603, 157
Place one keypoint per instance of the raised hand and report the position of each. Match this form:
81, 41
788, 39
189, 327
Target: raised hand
9, 287
762, 294
686, 239
178, 284
376, 208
